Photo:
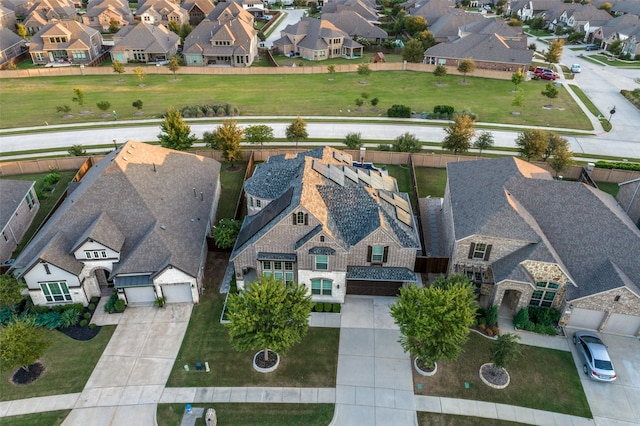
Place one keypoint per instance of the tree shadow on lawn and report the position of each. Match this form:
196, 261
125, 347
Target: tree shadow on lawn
543, 379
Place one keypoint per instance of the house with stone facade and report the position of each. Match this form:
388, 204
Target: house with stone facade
18, 206
198, 10
316, 219
525, 239
42, 12
65, 41
102, 13
144, 43
136, 222
161, 12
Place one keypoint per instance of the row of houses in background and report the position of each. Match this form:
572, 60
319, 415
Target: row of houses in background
138, 219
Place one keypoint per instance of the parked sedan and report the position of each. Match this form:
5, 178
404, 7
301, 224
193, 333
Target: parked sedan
575, 68
597, 363
548, 76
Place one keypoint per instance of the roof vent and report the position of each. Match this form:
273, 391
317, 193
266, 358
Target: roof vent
163, 227
125, 158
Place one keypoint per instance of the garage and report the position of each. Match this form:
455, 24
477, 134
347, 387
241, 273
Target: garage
374, 288
623, 324
177, 293
586, 318
137, 296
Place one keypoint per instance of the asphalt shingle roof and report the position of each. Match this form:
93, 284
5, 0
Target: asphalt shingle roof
12, 193
378, 273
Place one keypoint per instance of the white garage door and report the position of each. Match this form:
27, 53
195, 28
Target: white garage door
623, 324
586, 318
177, 293
140, 295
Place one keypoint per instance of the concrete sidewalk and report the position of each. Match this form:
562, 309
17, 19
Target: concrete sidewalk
288, 395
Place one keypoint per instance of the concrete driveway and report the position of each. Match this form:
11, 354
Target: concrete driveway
130, 376
615, 403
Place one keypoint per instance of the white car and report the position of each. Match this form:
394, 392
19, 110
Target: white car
593, 351
575, 68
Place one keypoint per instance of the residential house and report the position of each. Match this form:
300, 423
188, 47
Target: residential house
161, 12
625, 28
629, 199
101, 13
197, 10
227, 38
356, 26
553, 16
7, 18
254, 7
433, 10
18, 7
137, 222
447, 28
624, 7
65, 41
43, 12
11, 46
525, 239
18, 206
144, 43
317, 220
527, 9
363, 8
586, 18
317, 40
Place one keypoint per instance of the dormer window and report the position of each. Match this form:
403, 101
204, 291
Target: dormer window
300, 218
479, 251
95, 254
222, 43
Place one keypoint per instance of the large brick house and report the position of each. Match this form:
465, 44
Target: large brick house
65, 41
18, 206
317, 220
137, 221
526, 239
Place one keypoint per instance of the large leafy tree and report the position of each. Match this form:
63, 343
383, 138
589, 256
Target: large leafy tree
414, 24
353, 140
427, 39
228, 136
407, 142
22, 343
466, 66
10, 291
176, 134
483, 141
460, 132
258, 134
434, 321
558, 153
553, 54
297, 131
413, 51
268, 315
532, 143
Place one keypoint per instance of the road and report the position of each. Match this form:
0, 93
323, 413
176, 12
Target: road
291, 17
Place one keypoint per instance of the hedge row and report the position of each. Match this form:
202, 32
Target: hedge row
622, 165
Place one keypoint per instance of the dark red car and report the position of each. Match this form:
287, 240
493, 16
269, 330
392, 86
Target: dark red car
548, 76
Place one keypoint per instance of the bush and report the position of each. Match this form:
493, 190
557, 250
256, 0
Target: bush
87, 315
92, 307
492, 315
51, 178
69, 317
544, 316
336, 308
443, 109
618, 165
401, 111
94, 300
83, 323
119, 305
319, 307
496, 330
489, 332
110, 306
50, 320
522, 318
327, 307
92, 325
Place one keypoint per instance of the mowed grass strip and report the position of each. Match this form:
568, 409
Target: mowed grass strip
49, 418
68, 365
252, 414
431, 181
33, 101
311, 363
438, 419
543, 379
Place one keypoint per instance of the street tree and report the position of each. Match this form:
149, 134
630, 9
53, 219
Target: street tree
532, 143
268, 315
176, 134
466, 66
483, 141
22, 343
406, 142
364, 70
226, 232
77, 151
440, 71
554, 142
137, 104
297, 131
174, 65
331, 69
558, 153
258, 134
10, 291
553, 54
459, 132
228, 136
63, 109
353, 140
140, 73
517, 78
118, 68
550, 91
413, 51
518, 99
434, 321
78, 96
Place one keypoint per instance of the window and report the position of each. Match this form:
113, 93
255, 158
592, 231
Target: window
376, 253
300, 218
4, 235
258, 203
479, 251
46, 269
96, 254
322, 262
544, 294
30, 200
282, 271
79, 55
322, 238
321, 287
56, 291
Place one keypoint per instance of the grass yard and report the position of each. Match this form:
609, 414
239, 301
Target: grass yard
437, 419
543, 379
615, 62
276, 95
611, 188
68, 362
231, 182
50, 418
46, 204
311, 363
253, 414
431, 181
366, 58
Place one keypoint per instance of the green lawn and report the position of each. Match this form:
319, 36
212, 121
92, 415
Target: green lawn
68, 363
616, 62
253, 414
231, 182
47, 200
431, 181
437, 419
276, 95
311, 363
543, 379
367, 58
609, 187
50, 418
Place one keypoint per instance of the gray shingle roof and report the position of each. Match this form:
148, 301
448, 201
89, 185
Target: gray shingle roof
148, 194
354, 24
508, 267
12, 193
103, 231
378, 273
147, 37
485, 48
9, 39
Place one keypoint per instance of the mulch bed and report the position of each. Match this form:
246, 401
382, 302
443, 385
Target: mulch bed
80, 333
260, 361
496, 376
24, 377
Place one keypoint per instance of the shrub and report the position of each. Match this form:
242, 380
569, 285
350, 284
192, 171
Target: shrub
92, 325
327, 307
110, 306
522, 318
87, 315
50, 320
618, 165
319, 307
489, 332
119, 305
543, 316
51, 178
401, 111
92, 307
336, 308
69, 318
443, 109
95, 300
83, 323
374, 101
496, 330
492, 315
481, 326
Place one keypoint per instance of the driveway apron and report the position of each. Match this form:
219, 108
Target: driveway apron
374, 384
130, 376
